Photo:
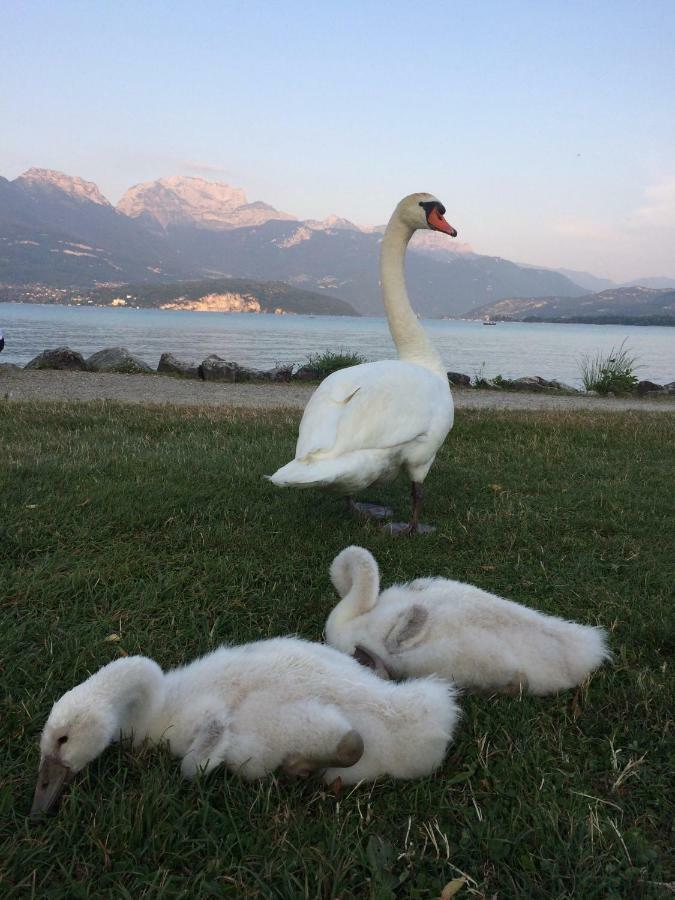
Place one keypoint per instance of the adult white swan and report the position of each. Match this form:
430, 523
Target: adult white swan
364, 423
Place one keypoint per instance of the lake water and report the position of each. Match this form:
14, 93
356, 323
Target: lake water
262, 341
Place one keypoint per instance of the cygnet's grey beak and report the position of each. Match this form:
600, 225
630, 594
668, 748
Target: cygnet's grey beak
52, 779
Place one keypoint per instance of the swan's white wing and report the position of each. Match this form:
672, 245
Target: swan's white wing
374, 406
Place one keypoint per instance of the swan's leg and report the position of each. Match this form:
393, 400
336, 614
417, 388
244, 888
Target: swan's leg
370, 510
413, 526
416, 494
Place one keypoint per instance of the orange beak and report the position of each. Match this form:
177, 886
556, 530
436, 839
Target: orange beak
437, 223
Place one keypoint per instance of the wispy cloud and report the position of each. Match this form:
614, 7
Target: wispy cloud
658, 209
587, 229
200, 168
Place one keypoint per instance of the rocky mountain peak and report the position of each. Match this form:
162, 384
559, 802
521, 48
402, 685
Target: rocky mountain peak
183, 200
332, 223
69, 184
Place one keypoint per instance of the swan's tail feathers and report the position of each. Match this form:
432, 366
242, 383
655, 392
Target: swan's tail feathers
587, 649
428, 717
297, 474
305, 475
566, 654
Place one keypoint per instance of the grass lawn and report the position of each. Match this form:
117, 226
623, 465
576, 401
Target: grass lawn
157, 527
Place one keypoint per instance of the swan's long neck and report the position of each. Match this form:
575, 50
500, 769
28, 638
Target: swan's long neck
359, 584
410, 338
132, 689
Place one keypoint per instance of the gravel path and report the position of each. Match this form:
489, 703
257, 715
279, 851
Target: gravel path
21, 384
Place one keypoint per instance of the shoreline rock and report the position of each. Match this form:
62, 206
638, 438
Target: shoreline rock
58, 358
170, 365
117, 359
458, 379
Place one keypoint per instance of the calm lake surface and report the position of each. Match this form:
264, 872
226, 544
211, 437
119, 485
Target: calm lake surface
262, 341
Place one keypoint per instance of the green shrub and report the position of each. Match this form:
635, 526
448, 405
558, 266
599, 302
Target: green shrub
611, 373
331, 360
481, 381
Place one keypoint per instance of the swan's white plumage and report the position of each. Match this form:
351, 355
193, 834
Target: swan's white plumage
458, 631
364, 423
251, 707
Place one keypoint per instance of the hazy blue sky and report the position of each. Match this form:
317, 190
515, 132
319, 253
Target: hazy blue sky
547, 128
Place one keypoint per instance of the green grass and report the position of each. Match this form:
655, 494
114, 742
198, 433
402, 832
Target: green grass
157, 526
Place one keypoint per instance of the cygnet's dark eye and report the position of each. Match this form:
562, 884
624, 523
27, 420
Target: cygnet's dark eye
63, 739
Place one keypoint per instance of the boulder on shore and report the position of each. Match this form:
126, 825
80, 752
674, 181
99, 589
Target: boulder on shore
667, 390
307, 373
561, 386
244, 374
529, 383
58, 358
117, 359
171, 365
215, 368
459, 380
281, 373
646, 386
537, 384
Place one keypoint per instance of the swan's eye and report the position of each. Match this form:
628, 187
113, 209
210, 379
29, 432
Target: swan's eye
63, 739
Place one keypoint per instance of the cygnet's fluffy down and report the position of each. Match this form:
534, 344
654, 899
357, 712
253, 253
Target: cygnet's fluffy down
434, 626
282, 702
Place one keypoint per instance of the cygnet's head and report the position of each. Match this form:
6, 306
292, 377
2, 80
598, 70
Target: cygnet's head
77, 731
419, 211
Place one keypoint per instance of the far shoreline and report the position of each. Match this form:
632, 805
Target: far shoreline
629, 321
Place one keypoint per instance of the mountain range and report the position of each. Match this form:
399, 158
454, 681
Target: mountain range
60, 231
652, 305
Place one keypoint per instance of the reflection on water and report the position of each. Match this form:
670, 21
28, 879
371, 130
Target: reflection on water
262, 341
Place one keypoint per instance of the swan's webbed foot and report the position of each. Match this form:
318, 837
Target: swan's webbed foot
398, 529
347, 753
370, 510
